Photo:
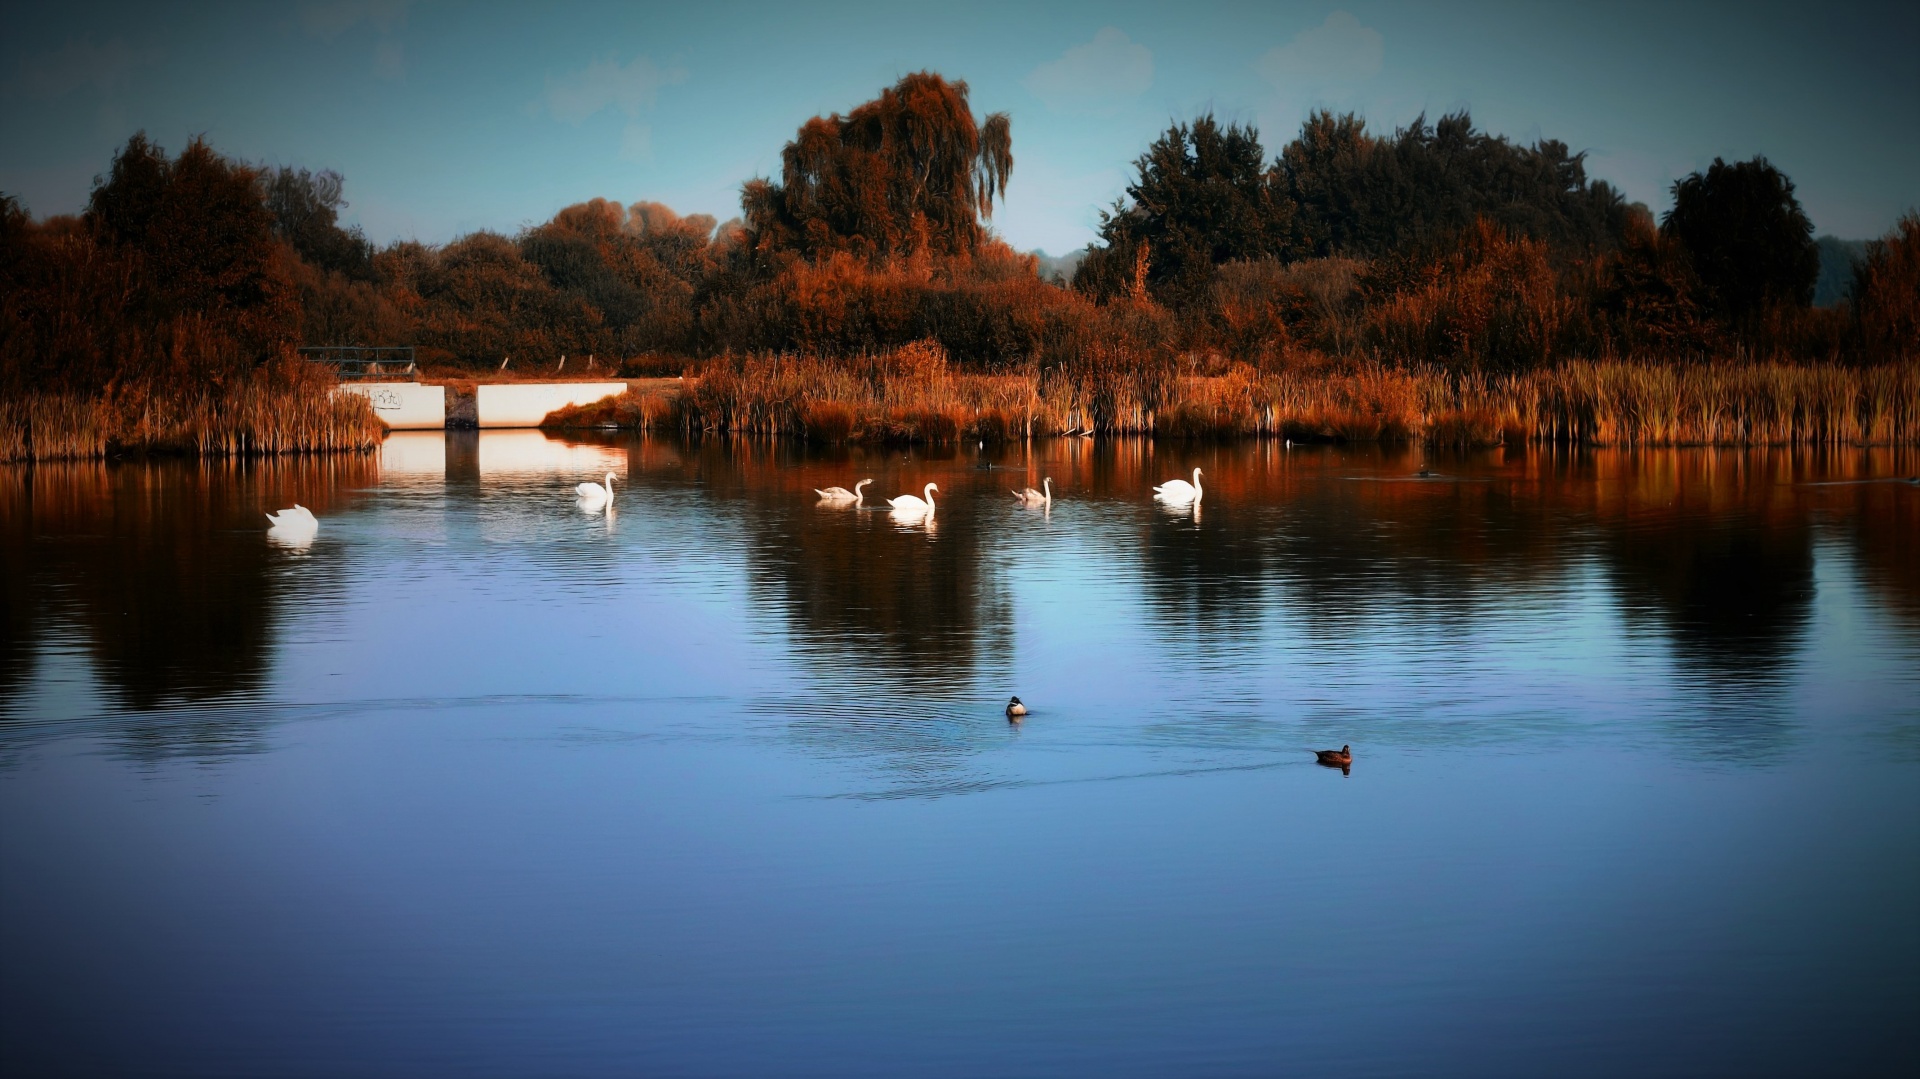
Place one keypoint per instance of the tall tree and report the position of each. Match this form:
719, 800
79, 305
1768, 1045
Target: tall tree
1202, 196
1750, 242
1424, 185
203, 235
306, 214
907, 172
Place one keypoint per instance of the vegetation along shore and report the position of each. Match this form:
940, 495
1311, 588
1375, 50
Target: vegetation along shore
1435, 283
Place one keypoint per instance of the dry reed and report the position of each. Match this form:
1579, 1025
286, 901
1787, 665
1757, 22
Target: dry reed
909, 395
254, 419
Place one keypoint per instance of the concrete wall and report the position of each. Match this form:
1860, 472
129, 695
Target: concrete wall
405, 406
525, 404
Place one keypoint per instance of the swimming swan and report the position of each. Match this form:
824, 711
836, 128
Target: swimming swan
593, 493
1032, 497
912, 505
296, 519
841, 494
1179, 491
293, 528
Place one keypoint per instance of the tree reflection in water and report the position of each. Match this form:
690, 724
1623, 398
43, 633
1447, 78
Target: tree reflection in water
161, 572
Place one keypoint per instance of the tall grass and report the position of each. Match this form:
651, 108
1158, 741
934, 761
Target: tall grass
1618, 404
254, 419
905, 395
909, 395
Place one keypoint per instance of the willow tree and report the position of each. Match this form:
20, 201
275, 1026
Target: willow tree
908, 172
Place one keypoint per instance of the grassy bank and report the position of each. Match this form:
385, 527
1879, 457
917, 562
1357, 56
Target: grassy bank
250, 420
910, 397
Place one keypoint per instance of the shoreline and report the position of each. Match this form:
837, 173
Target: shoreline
1582, 403
1604, 403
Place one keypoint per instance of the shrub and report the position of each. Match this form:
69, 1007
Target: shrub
1886, 293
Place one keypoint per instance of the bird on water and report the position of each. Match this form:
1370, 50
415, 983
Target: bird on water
1180, 492
915, 505
299, 518
1015, 710
841, 494
1031, 497
593, 494
1337, 758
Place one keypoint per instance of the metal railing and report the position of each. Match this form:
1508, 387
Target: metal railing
355, 362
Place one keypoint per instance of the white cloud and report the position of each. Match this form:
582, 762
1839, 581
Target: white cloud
1101, 74
1337, 52
105, 69
631, 87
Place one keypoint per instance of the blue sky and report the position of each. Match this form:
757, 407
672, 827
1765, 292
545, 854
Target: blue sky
449, 117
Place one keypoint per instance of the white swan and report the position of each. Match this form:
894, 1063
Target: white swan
841, 494
296, 518
1032, 497
913, 505
293, 528
1179, 492
592, 494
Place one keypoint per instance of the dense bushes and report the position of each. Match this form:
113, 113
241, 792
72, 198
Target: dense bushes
1886, 292
1469, 252
173, 274
162, 318
1435, 245
1493, 302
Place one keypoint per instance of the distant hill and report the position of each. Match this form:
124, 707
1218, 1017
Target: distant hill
1837, 258
1063, 265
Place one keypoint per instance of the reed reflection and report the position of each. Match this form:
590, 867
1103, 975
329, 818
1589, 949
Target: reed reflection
18, 607
1867, 496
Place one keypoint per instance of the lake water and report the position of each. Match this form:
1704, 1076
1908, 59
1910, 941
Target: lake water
720, 785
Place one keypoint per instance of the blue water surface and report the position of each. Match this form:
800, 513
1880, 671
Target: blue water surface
478, 783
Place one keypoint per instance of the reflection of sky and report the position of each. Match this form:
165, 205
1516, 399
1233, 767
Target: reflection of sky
578, 798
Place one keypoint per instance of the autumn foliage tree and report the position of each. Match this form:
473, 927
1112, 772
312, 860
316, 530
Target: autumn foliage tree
204, 240
911, 171
1436, 243
1886, 293
172, 275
